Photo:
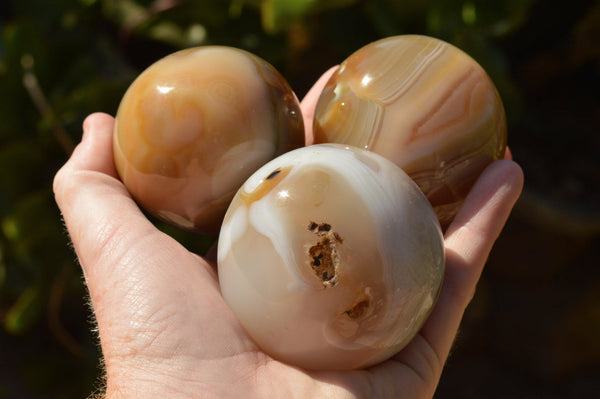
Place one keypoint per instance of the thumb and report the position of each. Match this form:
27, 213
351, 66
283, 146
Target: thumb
91, 197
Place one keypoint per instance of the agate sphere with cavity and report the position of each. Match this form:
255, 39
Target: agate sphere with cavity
194, 125
331, 257
422, 103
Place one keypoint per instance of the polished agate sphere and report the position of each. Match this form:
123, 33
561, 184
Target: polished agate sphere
331, 257
194, 125
425, 105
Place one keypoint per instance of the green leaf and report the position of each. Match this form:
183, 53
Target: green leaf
277, 15
585, 36
34, 231
448, 18
2, 267
20, 165
126, 13
25, 311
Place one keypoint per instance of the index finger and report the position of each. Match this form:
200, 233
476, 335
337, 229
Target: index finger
468, 242
309, 103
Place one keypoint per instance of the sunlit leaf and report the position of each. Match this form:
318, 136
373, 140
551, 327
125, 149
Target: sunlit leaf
448, 18
127, 13
171, 33
277, 15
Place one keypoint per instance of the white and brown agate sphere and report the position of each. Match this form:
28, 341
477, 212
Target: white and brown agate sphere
194, 125
422, 103
331, 257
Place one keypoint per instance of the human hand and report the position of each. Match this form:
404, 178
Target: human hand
165, 330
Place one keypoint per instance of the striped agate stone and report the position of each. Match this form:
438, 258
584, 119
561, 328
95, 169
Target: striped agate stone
331, 257
195, 125
425, 105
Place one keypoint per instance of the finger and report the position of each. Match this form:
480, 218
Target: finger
309, 103
468, 242
101, 160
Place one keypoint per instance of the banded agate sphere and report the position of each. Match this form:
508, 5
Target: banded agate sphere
194, 125
425, 105
331, 258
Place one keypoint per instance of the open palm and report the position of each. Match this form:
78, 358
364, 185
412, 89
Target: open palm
165, 330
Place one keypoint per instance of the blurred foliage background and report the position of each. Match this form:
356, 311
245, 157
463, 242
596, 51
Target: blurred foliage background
532, 330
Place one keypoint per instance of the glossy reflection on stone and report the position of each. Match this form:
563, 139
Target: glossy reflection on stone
425, 105
331, 257
194, 125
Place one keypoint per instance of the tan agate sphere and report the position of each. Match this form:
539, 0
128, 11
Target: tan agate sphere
425, 105
195, 124
331, 258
